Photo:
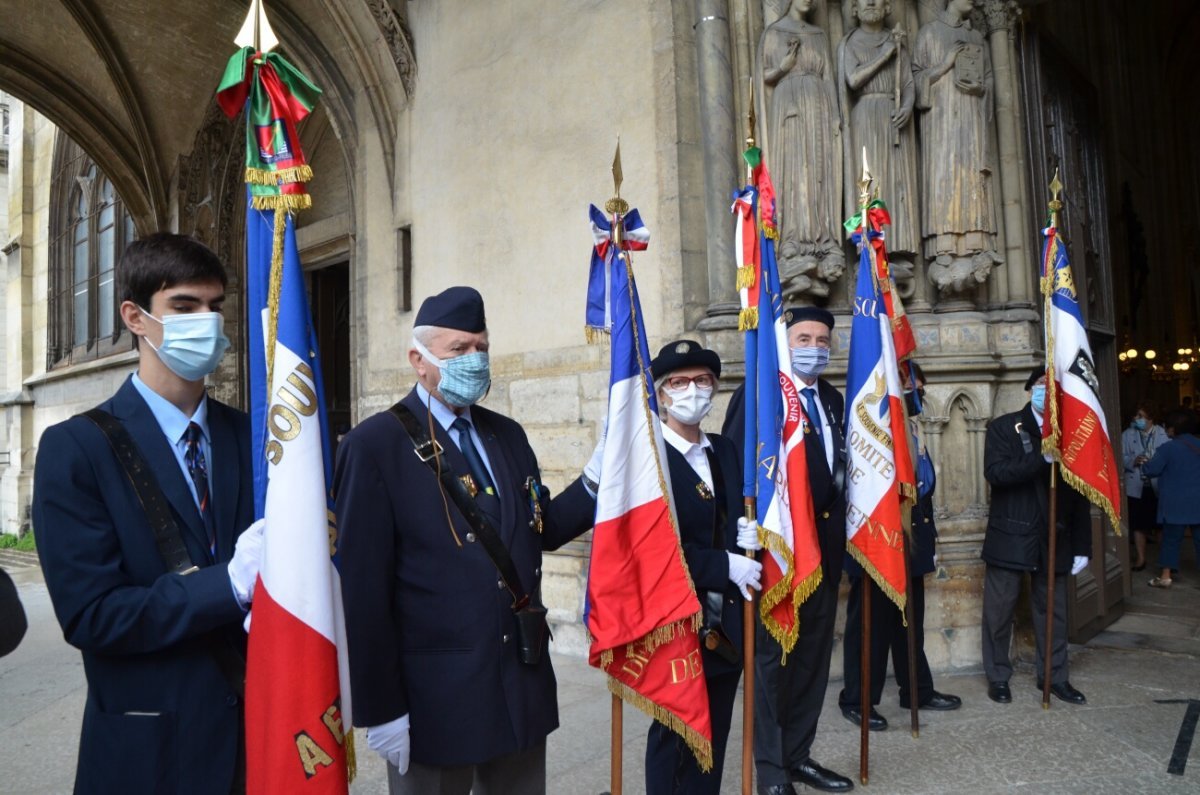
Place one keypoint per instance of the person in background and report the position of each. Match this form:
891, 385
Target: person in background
1138, 444
888, 632
1177, 467
706, 487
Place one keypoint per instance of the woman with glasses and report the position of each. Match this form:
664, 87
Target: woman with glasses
706, 489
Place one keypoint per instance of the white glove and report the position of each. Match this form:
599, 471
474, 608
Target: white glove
1080, 564
747, 537
591, 471
745, 573
390, 740
247, 559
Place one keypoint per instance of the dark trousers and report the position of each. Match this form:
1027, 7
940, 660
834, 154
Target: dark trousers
523, 772
1001, 588
671, 767
788, 698
888, 636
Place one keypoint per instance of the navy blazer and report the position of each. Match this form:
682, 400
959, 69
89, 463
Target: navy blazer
828, 488
159, 716
708, 563
429, 623
1177, 467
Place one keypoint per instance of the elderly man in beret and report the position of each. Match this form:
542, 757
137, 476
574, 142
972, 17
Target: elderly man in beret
706, 487
789, 698
1017, 541
443, 520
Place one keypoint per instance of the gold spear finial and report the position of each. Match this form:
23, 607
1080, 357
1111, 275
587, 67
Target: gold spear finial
616, 205
864, 184
751, 118
1056, 204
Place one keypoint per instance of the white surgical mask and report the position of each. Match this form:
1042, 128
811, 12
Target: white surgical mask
689, 405
809, 362
192, 343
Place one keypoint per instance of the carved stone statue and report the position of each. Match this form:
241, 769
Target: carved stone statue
953, 72
875, 77
803, 150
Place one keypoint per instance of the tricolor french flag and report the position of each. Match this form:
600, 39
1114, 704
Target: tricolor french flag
297, 676
642, 611
1076, 433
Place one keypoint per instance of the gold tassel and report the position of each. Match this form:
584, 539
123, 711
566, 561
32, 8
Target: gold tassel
745, 278
594, 335
748, 318
770, 232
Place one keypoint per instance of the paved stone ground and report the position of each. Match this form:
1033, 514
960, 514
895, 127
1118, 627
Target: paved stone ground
1120, 742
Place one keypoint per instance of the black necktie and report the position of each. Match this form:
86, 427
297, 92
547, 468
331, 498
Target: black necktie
193, 457
814, 419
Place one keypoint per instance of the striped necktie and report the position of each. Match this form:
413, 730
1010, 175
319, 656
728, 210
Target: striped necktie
197, 467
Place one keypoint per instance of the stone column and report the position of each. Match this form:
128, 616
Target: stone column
977, 429
1001, 18
932, 428
717, 132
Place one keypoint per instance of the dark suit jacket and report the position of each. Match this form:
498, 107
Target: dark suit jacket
1017, 534
828, 488
429, 624
159, 715
708, 563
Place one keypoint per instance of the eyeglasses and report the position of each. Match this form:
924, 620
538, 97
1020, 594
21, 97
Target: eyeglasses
678, 383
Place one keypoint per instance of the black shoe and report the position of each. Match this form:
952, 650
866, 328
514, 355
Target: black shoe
1065, 692
875, 721
775, 789
813, 775
999, 692
939, 702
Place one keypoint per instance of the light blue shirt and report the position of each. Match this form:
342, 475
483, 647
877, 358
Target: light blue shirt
174, 425
445, 415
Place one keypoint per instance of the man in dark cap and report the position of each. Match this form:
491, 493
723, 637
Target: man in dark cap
788, 698
1018, 540
707, 493
443, 521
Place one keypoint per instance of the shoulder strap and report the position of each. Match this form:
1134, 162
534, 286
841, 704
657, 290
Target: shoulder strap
430, 453
720, 514
166, 531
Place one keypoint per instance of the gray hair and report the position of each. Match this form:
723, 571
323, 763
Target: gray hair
425, 334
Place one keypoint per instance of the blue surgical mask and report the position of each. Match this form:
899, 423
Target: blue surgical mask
1037, 397
465, 379
1140, 423
809, 362
192, 344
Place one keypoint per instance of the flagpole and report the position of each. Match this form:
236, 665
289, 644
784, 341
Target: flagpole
615, 207
1055, 205
911, 630
748, 605
864, 690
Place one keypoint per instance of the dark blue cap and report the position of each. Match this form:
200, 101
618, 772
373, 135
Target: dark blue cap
1034, 375
455, 307
798, 314
684, 353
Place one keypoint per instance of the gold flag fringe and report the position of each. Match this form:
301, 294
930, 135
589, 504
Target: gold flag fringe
284, 176
1093, 494
351, 758
288, 202
745, 278
700, 745
595, 335
748, 318
786, 587
770, 232
274, 288
870, 568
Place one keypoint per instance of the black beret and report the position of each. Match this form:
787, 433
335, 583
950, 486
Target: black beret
455, 307
1034, 375
798, 314
684, 353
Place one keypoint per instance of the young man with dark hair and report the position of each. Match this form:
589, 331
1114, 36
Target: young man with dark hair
140, 506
